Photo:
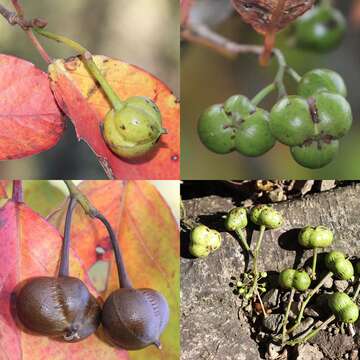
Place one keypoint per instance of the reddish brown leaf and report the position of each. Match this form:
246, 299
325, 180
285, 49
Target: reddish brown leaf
271, 15
149, 239
30, 246
83, 101
30, 121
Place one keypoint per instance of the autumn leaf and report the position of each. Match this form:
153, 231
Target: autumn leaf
149, 240
269, 16
30, 120
30, 246
81, 98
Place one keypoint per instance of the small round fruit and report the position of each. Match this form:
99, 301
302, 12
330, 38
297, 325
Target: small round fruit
203, 241
291, 122
336, 262
343, 307
318, 237
321, 28
316, 154
255, 213
291, 278
134, 130
334, 114
319, 80
270, 218
254, 137
238, 106
236, 219
216, 130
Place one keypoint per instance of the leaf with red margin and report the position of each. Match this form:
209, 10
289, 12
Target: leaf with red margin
30, 120
149, 240
30, 246
81, 98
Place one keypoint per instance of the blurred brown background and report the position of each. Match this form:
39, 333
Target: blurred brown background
141, 32
209, 78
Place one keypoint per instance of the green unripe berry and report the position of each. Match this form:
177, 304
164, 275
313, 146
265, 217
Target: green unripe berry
320, 80
291, 122
263, 274
321, 28
242, 291
134, 130
270, 218
318, 237
204, 241
238, 106
334, 114
343, 307
253, 137
216, 130
315, 154
291, 278
336, 262
236, 219
255, 213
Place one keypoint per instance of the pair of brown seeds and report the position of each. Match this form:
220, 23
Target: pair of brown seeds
63, 307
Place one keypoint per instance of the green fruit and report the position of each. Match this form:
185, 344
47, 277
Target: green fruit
216, 130
253, 137
321, 28
291, 278
238, 106
318, 237
270, 218
336, 262
203, 241
255, 213
315, 154
320, 80
236, 219
343, 307
334, 114
291, 122
134, 130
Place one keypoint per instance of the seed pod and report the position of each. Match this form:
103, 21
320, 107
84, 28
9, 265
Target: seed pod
204, 241
318, 237
236, 219
336, 262
343, 307
134, 130
58, 307
291, 278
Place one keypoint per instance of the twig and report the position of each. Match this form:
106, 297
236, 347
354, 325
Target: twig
17, 18
91, 211
17, 192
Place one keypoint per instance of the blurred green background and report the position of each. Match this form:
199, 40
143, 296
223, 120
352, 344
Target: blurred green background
141, 32
208, 78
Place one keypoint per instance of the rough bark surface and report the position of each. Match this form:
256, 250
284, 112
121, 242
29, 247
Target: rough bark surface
213, 326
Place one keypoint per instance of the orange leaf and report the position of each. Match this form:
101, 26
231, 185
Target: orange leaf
83, 101
30, 246
30, 121
269, 16
149, 240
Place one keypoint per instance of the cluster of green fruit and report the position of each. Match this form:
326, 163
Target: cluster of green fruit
310, 123
204, 240
321, 28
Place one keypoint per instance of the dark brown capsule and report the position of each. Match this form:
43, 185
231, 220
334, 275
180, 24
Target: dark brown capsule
135, 318
58, 307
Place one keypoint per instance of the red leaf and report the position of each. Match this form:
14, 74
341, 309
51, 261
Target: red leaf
30, 121
30, 246
83, 101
